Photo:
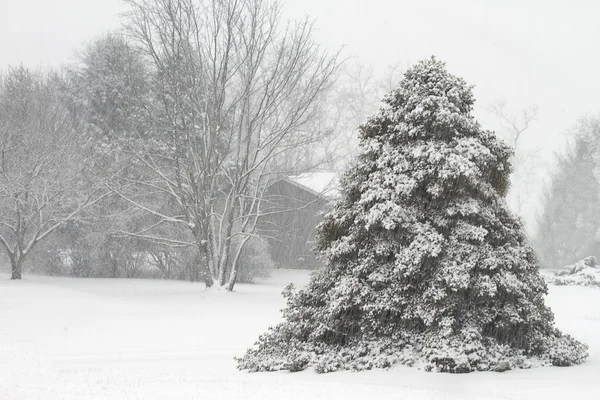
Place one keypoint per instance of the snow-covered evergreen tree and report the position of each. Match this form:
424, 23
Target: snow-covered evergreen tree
425, 265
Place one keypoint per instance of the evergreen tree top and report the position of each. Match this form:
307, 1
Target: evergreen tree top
429, 102
425, 135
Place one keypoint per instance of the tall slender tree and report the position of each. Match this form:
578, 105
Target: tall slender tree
525, 161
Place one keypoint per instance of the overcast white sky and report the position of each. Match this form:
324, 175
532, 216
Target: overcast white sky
528, 51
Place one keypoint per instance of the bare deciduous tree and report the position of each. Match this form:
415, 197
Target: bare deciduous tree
236, 91
357, 95
525, 161
41, 187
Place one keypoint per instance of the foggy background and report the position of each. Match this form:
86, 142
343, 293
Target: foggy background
525, 52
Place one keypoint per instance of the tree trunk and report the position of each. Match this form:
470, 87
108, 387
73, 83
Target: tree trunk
209, 280
16, 268
232, 279
235, 266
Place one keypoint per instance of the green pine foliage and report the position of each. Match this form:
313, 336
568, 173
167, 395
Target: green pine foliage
424, 264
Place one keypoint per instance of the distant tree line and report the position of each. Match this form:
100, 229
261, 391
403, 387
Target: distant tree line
569, 224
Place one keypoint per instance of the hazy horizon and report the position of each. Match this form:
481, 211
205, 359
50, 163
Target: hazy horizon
526, 52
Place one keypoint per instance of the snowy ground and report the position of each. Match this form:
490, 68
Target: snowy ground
64, 338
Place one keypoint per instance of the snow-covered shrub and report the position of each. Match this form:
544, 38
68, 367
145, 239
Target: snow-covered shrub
78, 251
585, 272
424, 263
588, 262
255, 261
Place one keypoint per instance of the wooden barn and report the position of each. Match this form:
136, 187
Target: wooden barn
294, 206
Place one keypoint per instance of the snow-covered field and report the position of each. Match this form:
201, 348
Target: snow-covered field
65, 338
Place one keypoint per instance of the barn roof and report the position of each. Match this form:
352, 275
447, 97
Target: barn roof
324, 184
